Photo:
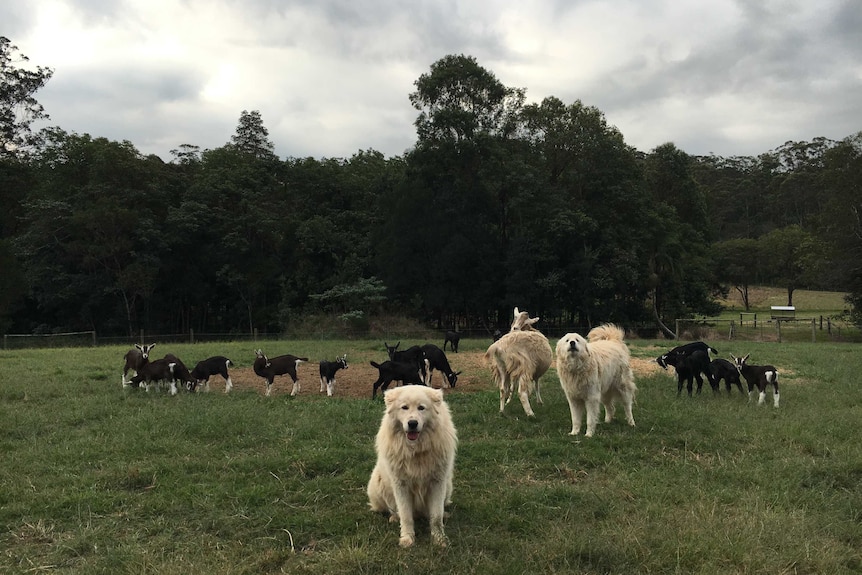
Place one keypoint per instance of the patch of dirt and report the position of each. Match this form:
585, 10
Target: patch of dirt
358, 379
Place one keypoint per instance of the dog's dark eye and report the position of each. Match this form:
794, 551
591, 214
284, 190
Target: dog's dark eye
421, 408
404, 407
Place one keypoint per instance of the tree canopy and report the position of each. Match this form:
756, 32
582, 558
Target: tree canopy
499, 203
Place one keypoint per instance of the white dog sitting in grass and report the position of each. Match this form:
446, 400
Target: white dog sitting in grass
416, 447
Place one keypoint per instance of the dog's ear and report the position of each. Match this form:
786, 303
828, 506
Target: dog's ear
390, 395
436, 395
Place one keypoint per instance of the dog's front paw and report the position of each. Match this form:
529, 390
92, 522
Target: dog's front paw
406, 541
440, 539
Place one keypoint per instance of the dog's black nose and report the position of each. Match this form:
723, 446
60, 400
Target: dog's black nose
412, 424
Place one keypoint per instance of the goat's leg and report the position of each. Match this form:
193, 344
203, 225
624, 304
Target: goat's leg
775, 391
228, 385
295, 390
538, 395
268, 387
322, 383
330, 387
524, 395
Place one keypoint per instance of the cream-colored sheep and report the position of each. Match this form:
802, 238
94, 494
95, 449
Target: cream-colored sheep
523, 357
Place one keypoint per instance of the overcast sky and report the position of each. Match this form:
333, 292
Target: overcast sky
332, 77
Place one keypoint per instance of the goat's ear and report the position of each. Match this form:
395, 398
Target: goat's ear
532, 320
744, 359
516, 313
137, 345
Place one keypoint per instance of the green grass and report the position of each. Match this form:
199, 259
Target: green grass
97, 479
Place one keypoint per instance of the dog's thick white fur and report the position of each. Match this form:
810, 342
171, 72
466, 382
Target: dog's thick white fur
416, 447
596, 370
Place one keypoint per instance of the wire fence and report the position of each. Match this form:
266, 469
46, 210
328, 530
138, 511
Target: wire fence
748, 328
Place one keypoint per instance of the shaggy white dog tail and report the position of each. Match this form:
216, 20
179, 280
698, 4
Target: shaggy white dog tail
608, 331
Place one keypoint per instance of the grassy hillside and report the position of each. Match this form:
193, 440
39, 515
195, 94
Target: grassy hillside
98, 479
806, 301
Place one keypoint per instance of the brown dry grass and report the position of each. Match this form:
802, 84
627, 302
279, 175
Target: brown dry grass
357, 380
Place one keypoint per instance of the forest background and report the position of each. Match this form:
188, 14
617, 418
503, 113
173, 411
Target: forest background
498, 203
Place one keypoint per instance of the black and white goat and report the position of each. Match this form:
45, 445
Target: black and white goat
435, 358
389, 371
686, 349
689, 367
215, 365
452, 338
328, 369
759, 375
156, 371
723, 369
269, 368
412, 355
135, 358
181, 373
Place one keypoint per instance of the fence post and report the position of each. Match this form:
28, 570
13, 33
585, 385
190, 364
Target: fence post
813, 330
730, 335
778, 323
677, 329
191, 335
94, 337
5, 341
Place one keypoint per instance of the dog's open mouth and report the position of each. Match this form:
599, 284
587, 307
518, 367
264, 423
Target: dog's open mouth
412, 435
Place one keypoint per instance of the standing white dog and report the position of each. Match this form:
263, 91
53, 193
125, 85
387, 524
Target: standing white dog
596, 370
416, 447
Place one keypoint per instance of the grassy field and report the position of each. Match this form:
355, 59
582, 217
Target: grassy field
807, 302
98, 479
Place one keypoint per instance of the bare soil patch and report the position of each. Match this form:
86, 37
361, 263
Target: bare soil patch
358, 379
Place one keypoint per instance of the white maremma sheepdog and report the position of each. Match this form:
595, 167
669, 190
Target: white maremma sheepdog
596, 370
416, 447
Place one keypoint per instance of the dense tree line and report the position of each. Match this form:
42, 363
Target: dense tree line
498, 203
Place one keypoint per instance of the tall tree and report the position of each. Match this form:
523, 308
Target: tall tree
252, 137
681, 277
18, 106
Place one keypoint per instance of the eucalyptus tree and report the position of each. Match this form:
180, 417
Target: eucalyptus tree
18, 105
90, 237
591, 220
841, 223
461, 177
681, 277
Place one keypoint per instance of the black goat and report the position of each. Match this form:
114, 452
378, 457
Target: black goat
452, 338
159, 370
269, 368
759, 375
435, 358
723, 369
215, 365
412, 355
686, 349
406, 373
181, 373
689, 367
328, 369
134, 359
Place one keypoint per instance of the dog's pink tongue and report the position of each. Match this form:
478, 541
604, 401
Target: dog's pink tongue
412, 435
